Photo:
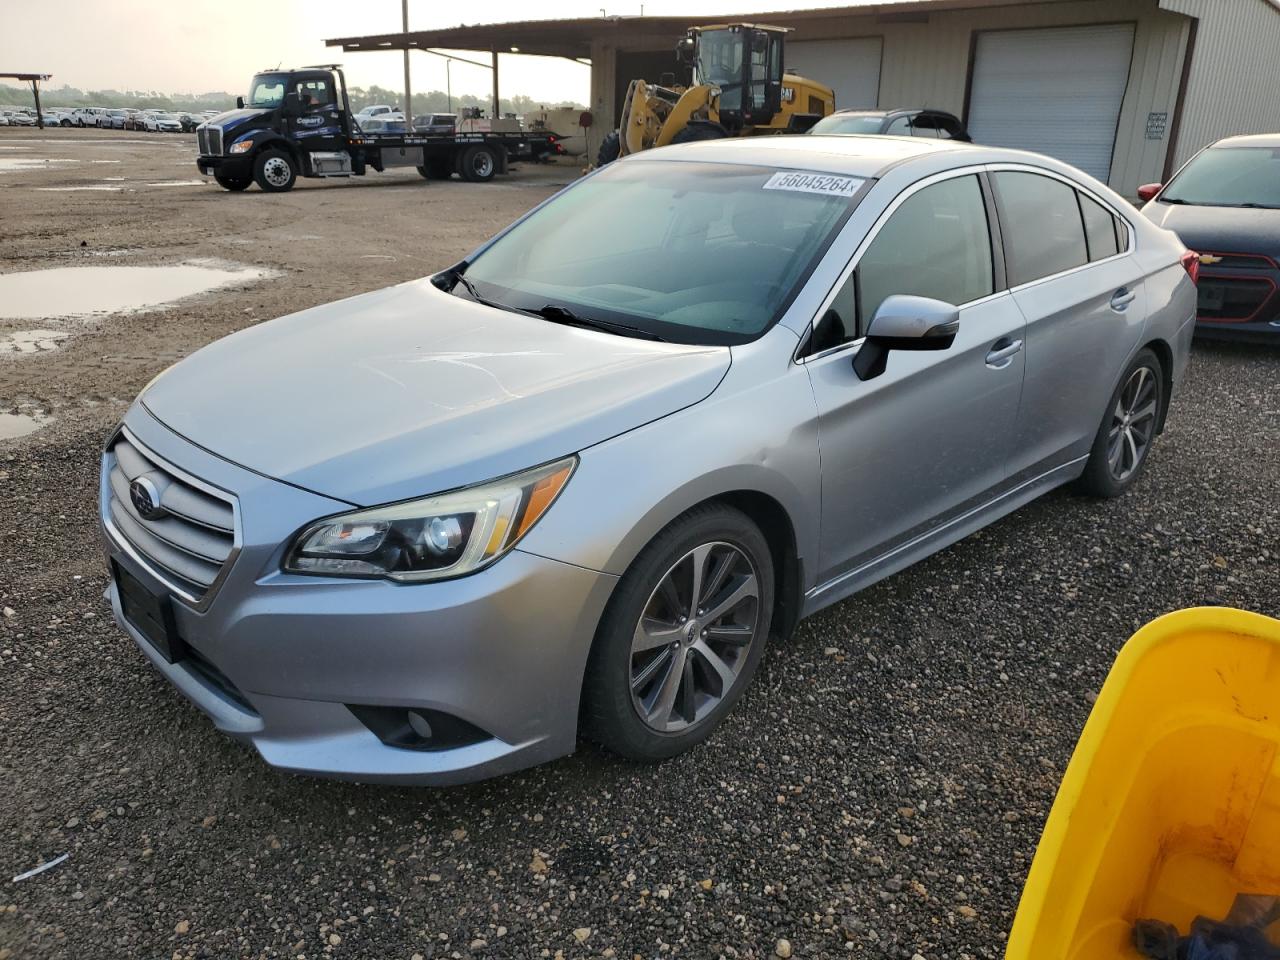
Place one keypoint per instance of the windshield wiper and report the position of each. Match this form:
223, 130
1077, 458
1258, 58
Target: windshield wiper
558, 314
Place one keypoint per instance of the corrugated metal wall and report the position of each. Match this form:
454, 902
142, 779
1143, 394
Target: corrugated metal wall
1234, 84
926, 62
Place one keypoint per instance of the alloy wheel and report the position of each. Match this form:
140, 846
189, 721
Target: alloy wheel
693, 637
1133, 423
276, 171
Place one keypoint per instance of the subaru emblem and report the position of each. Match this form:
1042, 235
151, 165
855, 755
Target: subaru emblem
146, 499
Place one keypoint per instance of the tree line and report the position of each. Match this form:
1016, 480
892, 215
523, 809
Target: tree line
434, 101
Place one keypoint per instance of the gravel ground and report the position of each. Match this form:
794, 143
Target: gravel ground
878, 792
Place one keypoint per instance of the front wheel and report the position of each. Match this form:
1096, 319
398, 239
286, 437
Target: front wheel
682, 635
274, 171
477, 164
610, 148
1128, 429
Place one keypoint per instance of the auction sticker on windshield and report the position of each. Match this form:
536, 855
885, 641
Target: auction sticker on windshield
802, 182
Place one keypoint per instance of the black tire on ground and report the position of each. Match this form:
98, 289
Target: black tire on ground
698, 132
436, 168
234, 184
274, 171
609, 714
1128, 425
477, 164
65, 123
610, 148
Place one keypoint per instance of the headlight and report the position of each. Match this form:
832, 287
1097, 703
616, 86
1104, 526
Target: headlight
443, 536
244, 146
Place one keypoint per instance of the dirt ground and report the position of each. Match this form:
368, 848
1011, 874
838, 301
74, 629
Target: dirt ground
878, 792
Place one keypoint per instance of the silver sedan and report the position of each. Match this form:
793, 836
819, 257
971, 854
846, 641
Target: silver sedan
572, 485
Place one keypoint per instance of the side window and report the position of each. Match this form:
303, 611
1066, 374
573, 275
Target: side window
1100, 229
313, 93
936, 244
925, 125
1042, 226
901, 127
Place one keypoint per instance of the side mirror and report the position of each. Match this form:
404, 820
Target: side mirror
905, 323
687, 50
239, 103
1148, 191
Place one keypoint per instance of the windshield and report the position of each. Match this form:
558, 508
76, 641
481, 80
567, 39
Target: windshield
720, 57
1229, 177
690, 252
849, 123
267, 90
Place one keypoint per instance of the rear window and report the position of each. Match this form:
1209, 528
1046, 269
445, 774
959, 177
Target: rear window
846, 124
1229, 177
1042, 226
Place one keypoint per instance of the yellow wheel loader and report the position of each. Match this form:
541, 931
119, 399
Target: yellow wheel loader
738, 89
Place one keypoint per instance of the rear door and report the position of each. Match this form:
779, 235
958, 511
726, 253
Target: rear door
1068, 257
930, 437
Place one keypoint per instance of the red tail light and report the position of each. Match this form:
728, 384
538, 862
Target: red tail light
1191, 263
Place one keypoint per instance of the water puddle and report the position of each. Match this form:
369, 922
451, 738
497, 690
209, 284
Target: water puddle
178, 183
85, 291
8, 164
31, 341
14, 425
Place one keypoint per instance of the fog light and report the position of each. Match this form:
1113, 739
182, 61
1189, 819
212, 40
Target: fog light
417, 728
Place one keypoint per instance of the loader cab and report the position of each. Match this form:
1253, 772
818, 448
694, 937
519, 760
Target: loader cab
745, 62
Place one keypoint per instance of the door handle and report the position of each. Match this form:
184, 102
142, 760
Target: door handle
1122, 298
1003, 352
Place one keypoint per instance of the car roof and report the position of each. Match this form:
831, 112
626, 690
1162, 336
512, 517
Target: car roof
858, 156
1251, 140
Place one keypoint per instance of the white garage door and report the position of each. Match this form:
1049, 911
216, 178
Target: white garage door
850, 67
1055, 91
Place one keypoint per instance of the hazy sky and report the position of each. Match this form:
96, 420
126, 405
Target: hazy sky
196, 47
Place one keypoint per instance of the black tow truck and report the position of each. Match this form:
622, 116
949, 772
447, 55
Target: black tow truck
298, 123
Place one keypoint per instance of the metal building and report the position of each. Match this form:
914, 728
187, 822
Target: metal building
1124, 89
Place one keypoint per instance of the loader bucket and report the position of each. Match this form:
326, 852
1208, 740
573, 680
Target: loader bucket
1170, 806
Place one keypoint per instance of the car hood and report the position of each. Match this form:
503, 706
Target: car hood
410, 391
233, 118
1220, 229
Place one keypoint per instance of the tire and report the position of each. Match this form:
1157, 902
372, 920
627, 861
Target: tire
666, 715
234, 184
477, 164
65, 123
437, 168
699, 132
610, 148
275, 171
1128, 429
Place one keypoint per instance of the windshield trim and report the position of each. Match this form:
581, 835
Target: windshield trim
679, 332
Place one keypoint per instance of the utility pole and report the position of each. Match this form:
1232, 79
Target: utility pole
408, 94
497, 112
448, 83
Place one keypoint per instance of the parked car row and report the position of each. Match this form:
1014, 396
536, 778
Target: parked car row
109, 118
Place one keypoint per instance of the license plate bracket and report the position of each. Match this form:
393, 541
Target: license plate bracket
150, 614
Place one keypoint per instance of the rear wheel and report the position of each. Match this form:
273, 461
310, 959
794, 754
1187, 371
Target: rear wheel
274, 171
610, 148
234, 184
682, 635
477, 164
437, 168
1128, 429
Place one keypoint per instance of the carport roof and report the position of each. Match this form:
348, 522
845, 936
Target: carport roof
573, 37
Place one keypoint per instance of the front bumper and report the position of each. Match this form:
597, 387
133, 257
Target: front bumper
503, 650
1239, 298
237, 167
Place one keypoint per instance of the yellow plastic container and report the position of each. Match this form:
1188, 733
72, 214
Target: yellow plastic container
1171, 803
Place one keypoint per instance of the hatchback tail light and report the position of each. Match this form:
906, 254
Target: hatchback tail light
1191, 263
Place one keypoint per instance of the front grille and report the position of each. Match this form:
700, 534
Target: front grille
192, 540
1240, 261
209, 140
1232, 299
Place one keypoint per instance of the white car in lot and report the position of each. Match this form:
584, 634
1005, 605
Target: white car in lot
17, 118
88, 116
162, 123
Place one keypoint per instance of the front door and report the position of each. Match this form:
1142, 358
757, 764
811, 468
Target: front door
930, 437
318, 123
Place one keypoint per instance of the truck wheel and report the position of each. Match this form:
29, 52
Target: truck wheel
274, 171
234, 184
477, 164
610, 148
696, 133
437, 168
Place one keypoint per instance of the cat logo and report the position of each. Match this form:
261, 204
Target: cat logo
1208, 259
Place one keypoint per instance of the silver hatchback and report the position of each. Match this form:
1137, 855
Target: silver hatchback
573, 484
